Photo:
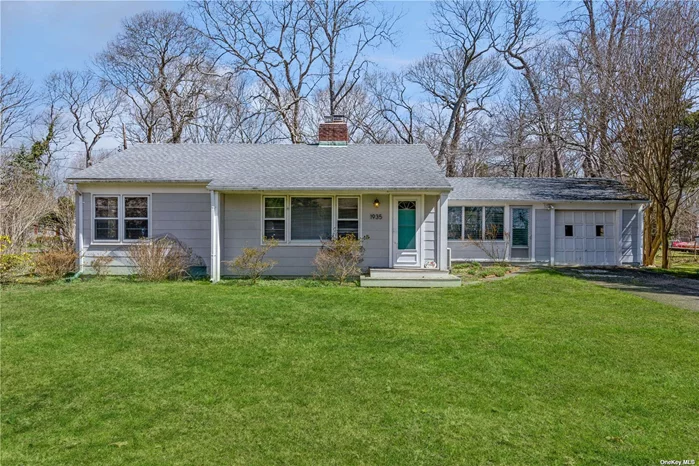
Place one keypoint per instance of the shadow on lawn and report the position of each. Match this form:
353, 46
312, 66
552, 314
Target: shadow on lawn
684, 291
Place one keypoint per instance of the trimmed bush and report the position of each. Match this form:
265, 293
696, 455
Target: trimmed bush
251, 264
339, 258
55, 264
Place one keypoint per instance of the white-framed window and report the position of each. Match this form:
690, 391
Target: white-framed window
455, 228
347, 216
135, 218
476, 223
309, 219
119, 218
106, 218
274, 218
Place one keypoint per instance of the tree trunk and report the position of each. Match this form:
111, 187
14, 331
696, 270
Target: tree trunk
665, 243
443, 156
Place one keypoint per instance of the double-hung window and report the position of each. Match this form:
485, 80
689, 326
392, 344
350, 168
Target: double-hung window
275, 218
135, 217
121, 218
476, 223
106, 218
348, 216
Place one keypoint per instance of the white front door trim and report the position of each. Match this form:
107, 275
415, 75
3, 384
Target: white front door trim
409, 258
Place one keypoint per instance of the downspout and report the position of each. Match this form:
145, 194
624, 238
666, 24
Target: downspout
214, 269
79, 230
552, 245
641, 236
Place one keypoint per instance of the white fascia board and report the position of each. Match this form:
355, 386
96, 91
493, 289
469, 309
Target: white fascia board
137, 188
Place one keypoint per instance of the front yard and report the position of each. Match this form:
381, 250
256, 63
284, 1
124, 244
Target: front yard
538, 369
682, 264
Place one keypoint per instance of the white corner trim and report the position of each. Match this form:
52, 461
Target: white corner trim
421, 231
215, 267
80, 230
442, 228
552, 243
390, 231
532, 234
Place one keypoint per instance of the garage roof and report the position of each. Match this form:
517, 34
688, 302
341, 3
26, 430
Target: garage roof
541, 189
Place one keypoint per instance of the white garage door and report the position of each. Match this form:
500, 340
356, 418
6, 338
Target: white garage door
585, 237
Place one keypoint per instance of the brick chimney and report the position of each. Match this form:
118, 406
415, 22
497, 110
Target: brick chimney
333, 131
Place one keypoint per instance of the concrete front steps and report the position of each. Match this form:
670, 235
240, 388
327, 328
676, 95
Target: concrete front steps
409, 278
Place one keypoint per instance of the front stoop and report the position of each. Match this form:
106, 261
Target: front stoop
409, 278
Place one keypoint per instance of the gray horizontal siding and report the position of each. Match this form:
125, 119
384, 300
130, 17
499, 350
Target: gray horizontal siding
185, 216
467, 251
542, 235
242, 225
120, 265
428, 228
376, 247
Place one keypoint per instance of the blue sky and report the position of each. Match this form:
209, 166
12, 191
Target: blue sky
38, 37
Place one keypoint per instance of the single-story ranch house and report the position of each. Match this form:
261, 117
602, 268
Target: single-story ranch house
219, 198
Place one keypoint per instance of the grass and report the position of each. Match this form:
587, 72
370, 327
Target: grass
539, 369
472, 271
682, 265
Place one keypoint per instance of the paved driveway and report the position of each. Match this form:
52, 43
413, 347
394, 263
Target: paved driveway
667, 289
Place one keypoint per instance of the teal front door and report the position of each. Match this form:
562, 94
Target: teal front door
406, 232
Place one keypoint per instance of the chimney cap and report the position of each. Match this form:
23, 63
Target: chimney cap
336, 118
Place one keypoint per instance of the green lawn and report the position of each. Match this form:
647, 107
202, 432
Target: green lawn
537, 369
682, 264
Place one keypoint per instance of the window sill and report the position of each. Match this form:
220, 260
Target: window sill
476, 240
114, 243
298, 243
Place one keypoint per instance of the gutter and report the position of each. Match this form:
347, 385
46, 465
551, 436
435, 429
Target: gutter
247, 189
553, 201
133, 180
372, 189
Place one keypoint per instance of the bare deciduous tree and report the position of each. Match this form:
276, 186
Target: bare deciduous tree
92, 106
346, 30
274, 42
395, 105
462, 75
159, 63
16, 100
231, 114
517, 43
656, 86
23, 203
596, 34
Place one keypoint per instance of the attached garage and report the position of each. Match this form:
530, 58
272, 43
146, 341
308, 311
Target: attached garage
559, 221
585, 237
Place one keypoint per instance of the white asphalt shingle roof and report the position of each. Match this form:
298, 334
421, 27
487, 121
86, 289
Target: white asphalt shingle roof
541, 189
274, 166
